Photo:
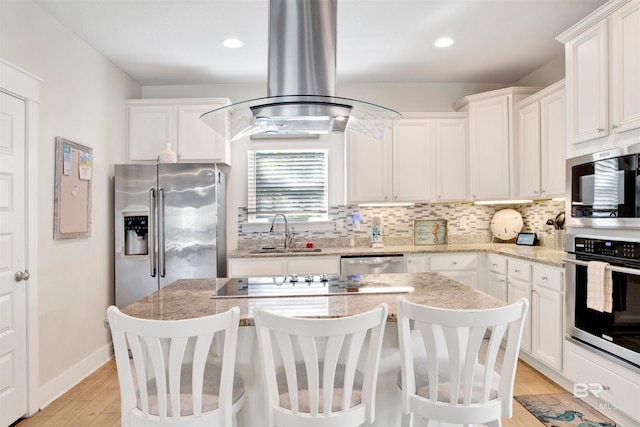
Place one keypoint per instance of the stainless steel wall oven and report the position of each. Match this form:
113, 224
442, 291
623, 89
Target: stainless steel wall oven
616, 334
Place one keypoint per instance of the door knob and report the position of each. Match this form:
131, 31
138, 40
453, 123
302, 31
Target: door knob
22, 275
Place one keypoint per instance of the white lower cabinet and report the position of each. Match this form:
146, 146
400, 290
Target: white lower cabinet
519, 289
416, 263
543, 286
497, 276
282, 266
461, 267
547, 326
593, 374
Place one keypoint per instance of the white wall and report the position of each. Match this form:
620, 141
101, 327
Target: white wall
82, 99
546, 75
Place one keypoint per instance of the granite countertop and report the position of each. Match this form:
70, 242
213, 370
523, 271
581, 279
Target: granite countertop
189, 298
541, 254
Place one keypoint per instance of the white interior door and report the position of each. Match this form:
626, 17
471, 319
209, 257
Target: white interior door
13, 348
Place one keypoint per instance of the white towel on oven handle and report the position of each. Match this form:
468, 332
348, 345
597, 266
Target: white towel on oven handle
599, 287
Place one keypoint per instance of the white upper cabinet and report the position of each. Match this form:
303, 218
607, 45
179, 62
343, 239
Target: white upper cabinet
422, 160
602, 68
369, 168
452, 161
152, 123
491, 141
625, 68
413, 160
541, 143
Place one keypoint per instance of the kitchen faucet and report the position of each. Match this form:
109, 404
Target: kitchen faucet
287, 237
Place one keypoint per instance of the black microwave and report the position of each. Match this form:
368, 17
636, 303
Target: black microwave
604, 189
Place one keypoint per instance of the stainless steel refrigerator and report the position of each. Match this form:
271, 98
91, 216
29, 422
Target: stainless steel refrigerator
169, 225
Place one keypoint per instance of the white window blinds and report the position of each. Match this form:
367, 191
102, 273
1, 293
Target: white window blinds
291, 181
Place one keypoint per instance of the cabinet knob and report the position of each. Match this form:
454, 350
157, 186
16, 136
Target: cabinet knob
535, 191
517, 270
396, 197
21, 275
545, 278
495, 265
605, 387
454, 263
614, 126
600, 130
439, 196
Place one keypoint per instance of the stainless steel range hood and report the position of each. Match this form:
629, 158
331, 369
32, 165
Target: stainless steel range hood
301, 81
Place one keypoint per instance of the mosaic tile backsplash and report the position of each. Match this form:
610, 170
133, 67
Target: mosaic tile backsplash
466, 223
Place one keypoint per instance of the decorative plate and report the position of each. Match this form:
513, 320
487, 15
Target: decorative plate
506, 224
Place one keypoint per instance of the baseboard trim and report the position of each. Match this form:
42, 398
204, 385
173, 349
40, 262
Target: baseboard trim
71, 377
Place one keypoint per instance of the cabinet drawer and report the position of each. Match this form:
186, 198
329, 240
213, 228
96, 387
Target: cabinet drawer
454, 262
620, 387
548, 277
252, 267
497, 263
313, 265
520, 270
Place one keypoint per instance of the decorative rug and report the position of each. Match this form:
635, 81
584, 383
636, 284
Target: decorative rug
564, 410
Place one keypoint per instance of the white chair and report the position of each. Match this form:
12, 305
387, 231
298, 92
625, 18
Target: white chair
449, 372
176, 377
309, 362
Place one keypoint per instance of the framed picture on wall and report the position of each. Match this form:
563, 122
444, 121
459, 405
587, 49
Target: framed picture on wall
429, 231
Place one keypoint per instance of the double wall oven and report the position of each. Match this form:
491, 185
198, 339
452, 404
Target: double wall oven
603, 217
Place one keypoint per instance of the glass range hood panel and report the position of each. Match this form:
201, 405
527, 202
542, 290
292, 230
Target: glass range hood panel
301, 115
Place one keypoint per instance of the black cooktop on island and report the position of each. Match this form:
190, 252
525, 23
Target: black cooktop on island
309, 285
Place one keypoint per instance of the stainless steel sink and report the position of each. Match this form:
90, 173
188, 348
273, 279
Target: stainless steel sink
284, 251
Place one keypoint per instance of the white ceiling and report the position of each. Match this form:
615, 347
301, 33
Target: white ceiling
175, 42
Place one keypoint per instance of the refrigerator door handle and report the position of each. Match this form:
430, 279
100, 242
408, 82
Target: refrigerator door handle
152, 233
161, 232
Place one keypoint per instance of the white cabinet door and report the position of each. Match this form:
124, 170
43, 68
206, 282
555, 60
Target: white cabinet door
282, 266
519, 289
413, 160
489, 151
541, 143
313, 265
547, 326
498, 285
529, 166
197, 140
152, 123
625, 68
587, 84
553, 144
368, 169
150, 127
416, 263
256, 267
451, 160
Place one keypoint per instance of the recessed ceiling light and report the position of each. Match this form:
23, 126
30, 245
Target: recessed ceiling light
443, 42
231, 43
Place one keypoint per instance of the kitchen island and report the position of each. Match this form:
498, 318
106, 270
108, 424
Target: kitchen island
190, 298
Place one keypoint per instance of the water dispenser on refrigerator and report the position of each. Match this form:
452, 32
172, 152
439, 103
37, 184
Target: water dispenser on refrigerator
136, 233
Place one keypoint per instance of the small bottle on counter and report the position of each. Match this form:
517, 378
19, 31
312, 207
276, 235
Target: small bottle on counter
309, 241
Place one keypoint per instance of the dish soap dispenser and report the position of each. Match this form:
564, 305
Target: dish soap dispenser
376, 232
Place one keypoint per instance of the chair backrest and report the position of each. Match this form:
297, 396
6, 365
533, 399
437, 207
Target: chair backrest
311, 367
454, 369
166, 381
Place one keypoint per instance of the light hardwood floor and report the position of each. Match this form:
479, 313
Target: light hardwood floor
95, 402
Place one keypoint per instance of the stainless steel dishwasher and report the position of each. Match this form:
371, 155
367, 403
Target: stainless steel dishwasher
373, 264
